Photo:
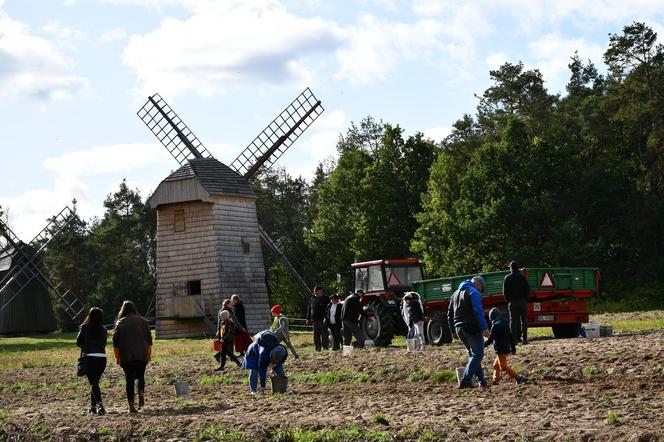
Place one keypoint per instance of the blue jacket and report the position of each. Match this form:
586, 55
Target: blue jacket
466, 309
257, 357
501, 337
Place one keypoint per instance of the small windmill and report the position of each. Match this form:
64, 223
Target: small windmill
208, 235
25, 305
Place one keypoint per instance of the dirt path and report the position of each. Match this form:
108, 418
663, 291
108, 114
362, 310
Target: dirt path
579, 389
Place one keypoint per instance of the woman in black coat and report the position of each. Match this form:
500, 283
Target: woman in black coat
92, 340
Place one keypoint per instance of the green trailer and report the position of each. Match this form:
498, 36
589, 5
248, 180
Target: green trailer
558, 298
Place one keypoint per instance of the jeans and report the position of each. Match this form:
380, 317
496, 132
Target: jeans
418, 334
335, 329
352, 328
96, 367
134, 370
320, 334
519, 321
253, 376
475, 345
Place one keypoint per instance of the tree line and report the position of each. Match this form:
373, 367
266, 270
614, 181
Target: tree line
548, 179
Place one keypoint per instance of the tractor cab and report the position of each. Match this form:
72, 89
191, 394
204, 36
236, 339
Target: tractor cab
384, 282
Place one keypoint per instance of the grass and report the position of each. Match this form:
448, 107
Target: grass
444, 377
418, 375
221, 379
218, 431
380, 419
324, 377
612, 418
352, 434
590, 371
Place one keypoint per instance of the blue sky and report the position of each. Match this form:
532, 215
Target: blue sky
73, 73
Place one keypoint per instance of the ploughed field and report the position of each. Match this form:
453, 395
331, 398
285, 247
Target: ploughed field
578, 389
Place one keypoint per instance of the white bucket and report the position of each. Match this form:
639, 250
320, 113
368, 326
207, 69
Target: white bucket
181, 388
459, 374
347, 350
592, 329
411, 344
368, 343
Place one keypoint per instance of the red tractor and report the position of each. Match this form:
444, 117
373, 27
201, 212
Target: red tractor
384, 282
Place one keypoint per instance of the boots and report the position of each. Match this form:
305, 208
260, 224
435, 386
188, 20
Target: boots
132, 408
101, 410
141, 399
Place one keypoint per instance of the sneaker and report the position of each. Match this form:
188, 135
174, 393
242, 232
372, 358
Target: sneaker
463, 385
520, 380
101, 411
485, 384
92, 410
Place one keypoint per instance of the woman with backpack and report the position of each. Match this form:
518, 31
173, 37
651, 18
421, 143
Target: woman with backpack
92, 341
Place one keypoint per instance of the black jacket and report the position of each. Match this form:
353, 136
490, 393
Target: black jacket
416, 314
317, 307
337, 314
240, 314
516, 289
352, 309
460, 312
92, 341
501, 337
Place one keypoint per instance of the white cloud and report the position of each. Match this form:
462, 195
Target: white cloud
114, 34
496, 59
437, 134
33, 66
62, 32
229, 43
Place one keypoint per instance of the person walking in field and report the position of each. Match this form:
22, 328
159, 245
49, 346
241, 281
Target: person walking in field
465, 316
316, 317
351, 313
132, 345
517, 292
92, 341
503, 344
281, 329
242, 334
333, 321
414, 318
226, 335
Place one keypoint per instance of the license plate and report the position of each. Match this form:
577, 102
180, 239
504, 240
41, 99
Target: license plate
545, 318
390, 301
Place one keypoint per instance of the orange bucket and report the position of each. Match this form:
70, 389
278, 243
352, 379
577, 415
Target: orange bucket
216, 345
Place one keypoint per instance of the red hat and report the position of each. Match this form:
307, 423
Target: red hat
276, 309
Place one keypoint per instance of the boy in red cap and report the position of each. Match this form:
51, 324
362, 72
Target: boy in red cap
280, 328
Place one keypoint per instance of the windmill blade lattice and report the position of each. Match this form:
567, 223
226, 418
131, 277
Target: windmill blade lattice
278, 136
176, 137
30, 266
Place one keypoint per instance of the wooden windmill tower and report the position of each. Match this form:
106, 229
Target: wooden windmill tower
25, 303
208, 235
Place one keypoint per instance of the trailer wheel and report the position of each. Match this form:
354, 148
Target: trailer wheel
565, 331
378, 324
438, 331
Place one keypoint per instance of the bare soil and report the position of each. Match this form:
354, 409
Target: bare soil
579, 389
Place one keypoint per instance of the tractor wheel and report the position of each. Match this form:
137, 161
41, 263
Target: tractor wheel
565, 331
438, 331
378, 325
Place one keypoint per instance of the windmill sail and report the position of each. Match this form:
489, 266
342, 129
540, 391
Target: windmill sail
28, 265
176, 137
279, 135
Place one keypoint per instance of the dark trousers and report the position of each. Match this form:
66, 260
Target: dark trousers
352, 328
320, 334
519, 321
96, 367
227, 350
134, 370
335, 329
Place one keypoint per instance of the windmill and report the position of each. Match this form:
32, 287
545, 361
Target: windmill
208, 235
25, 305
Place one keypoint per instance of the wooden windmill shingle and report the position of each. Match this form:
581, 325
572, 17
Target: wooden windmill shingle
208, 235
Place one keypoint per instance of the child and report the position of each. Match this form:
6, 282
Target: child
226, 334
414, 318
503, 344
280, 328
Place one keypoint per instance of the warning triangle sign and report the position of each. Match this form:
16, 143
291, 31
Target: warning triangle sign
547, 281
393, 280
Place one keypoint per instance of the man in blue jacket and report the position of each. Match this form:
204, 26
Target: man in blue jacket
465, 316
264, 353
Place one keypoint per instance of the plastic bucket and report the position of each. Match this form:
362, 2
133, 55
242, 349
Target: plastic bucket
347, 350
181, 388
216, 345
368, 343
279, 384
411, 344
459, 374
